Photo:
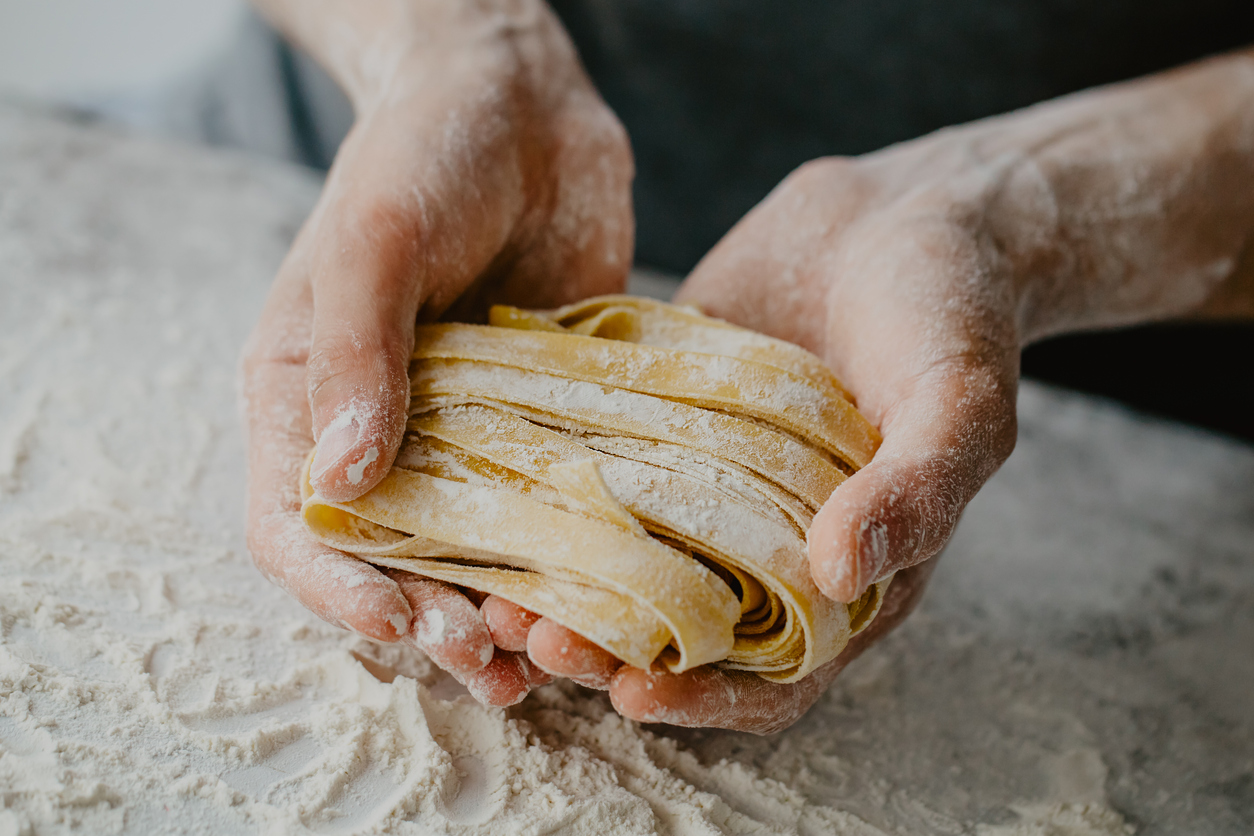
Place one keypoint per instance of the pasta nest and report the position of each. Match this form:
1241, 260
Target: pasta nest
641, 473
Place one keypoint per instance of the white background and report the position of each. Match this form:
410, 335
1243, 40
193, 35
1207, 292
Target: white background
74, 50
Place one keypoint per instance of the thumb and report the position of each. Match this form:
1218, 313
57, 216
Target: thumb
375, 255
358, 390
365, 306
942, 441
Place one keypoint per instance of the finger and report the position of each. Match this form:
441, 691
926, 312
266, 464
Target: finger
375, 256
446, 625
504, 681
709, 697
508, 623
561, 652
360, 262
336, 587
942, 442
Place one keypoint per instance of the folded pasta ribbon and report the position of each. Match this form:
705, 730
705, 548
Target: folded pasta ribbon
638, 472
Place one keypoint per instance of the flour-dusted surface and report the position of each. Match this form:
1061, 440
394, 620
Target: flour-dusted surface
1081, 665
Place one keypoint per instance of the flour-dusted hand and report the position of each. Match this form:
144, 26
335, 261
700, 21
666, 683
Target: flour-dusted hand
918, 273
482, 167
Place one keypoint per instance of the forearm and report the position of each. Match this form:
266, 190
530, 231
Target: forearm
1154, 187
1129, 203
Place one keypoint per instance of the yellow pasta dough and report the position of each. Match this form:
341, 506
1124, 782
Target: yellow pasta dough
640, 473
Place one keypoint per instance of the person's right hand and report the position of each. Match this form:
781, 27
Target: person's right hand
483, 167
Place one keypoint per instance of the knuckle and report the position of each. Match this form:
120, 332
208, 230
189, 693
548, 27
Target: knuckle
332, 357
820, 171
358, 359
265, 347
611, 135
599, 125
593, 155
325, 375
270, 349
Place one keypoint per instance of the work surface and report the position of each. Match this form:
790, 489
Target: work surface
1082, 663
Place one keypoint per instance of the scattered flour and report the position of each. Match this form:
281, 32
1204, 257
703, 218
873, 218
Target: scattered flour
151, 681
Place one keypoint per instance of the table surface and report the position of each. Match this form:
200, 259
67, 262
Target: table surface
1082, 664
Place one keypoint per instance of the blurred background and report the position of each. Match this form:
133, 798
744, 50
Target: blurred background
119, 51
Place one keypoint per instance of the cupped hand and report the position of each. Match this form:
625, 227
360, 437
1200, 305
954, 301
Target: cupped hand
482, 168
884, 267
890, 269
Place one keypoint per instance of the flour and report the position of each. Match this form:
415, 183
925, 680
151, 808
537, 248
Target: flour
433, 627
357, 468
152, 682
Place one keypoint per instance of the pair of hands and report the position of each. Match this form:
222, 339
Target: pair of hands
484, 168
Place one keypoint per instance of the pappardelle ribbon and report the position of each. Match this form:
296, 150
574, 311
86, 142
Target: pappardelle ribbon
640, 473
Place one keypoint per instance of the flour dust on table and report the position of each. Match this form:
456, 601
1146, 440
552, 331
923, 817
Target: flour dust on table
1079, 668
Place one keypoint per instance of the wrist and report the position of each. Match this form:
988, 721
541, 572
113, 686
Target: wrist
1124, 204
380, 50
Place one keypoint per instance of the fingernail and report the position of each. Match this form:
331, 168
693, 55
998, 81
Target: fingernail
336, 442
872, 555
